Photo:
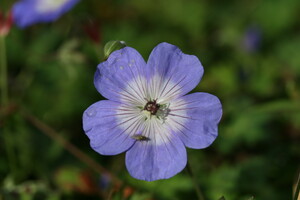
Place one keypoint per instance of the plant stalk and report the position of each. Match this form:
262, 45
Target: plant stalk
196, 185
3, 75
296, 195
8, 140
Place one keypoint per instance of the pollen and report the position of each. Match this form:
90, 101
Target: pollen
152, 107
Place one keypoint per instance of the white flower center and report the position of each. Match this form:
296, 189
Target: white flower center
153, 113
44, 6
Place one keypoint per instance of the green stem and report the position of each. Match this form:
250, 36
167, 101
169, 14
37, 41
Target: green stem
9, 147
4, 101
3, 68
196, 185
297, 188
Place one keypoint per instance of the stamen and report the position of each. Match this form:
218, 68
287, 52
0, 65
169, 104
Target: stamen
152, 107
163, 112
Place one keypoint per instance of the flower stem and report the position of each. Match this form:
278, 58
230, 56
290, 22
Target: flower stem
296, 195
9, 147
3, 103
50, 132
3, 75
196, 185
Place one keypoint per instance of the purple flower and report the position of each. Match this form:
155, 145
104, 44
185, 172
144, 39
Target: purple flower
252, 39
148, 113
28, 12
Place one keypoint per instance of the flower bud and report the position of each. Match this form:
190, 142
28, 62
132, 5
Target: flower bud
5, 23
112, 46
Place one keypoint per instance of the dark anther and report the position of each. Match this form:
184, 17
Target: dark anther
152, 107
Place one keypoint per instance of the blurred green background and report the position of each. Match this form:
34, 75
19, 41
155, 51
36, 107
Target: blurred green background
250, 53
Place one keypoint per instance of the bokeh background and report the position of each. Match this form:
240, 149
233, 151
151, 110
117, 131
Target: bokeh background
250, 53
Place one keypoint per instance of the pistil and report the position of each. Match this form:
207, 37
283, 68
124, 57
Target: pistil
152, 107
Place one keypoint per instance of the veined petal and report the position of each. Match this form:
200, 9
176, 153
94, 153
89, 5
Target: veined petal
195, 119
28, 12
108, 124
149, 161
173, 72
148, 115
122, 77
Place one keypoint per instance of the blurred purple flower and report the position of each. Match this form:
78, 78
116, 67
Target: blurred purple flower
104, 181
28, 12
148, 114
252, 39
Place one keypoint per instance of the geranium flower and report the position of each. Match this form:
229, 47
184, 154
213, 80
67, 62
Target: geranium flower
148, 113
28, 12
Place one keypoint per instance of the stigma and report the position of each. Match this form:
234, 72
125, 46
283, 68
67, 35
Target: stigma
152, 107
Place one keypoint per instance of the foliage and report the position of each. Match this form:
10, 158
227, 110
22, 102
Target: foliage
50, 75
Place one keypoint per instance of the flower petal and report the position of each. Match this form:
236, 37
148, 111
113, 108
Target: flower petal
149, 161
195, 119
121, 77
174, 73
107, 133
28, 12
